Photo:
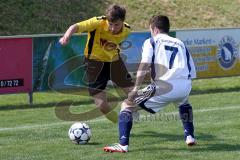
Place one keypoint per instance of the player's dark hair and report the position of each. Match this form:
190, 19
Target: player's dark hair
161, 22
115, 12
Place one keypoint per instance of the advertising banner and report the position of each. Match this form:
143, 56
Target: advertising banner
215, 51
49, 55
16, 65
59, 67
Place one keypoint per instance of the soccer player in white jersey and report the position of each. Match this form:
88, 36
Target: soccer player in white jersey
172, 70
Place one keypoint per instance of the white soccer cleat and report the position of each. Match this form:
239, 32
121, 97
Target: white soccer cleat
190, 141
116, 148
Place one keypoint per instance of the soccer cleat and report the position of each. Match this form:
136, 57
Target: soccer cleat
116, 148
190, 141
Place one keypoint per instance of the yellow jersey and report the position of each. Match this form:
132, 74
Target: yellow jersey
101, 44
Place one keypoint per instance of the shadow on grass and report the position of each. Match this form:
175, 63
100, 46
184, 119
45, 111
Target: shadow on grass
222, 147
53, 104
112, 99
215, 90
47, 105
205, 142
92, 144
157, 136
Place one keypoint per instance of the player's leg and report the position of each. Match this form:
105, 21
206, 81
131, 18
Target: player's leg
176, 91
135, 113
180, 93
100, 100
124, 127
121, 77
126, 119
186, 115
98, 76
185, 110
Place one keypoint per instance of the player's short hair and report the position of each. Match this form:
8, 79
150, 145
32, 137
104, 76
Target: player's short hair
115, 12
161, 22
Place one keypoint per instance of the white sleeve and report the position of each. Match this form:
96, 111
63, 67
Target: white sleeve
193, 69
147, 52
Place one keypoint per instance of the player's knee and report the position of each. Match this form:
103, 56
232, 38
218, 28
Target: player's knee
126, 106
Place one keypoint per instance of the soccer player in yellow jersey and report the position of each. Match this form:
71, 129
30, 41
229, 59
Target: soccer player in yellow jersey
101, 54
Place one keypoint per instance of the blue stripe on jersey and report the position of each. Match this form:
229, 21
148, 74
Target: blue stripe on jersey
153, 72
188, 62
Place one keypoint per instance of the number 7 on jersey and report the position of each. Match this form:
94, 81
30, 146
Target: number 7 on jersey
174, 51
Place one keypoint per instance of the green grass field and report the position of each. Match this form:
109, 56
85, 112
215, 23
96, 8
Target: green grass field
34, 132
36, 15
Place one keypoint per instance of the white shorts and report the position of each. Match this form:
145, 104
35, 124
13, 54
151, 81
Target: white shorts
156, 96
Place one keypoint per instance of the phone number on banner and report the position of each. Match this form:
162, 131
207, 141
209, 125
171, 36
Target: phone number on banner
11, 83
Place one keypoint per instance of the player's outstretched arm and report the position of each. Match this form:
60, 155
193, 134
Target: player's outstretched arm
70, 31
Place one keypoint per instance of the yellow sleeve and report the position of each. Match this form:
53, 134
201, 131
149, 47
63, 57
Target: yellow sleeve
88, 25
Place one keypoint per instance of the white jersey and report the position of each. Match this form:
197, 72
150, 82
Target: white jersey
168, 53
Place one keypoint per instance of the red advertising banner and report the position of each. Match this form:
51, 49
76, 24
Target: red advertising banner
15, 65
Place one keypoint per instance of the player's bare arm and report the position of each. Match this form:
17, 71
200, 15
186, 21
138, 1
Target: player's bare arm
143, 70
70, 31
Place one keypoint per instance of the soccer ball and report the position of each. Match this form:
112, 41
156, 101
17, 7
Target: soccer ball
79, 133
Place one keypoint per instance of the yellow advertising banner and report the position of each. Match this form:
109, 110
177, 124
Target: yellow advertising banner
215, 51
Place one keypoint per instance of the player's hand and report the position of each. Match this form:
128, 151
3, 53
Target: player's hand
132, 95
64, 40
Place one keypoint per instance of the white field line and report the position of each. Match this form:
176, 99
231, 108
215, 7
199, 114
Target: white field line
104, 119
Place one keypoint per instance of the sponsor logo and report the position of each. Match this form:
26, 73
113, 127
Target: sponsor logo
227, 52
108, 45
